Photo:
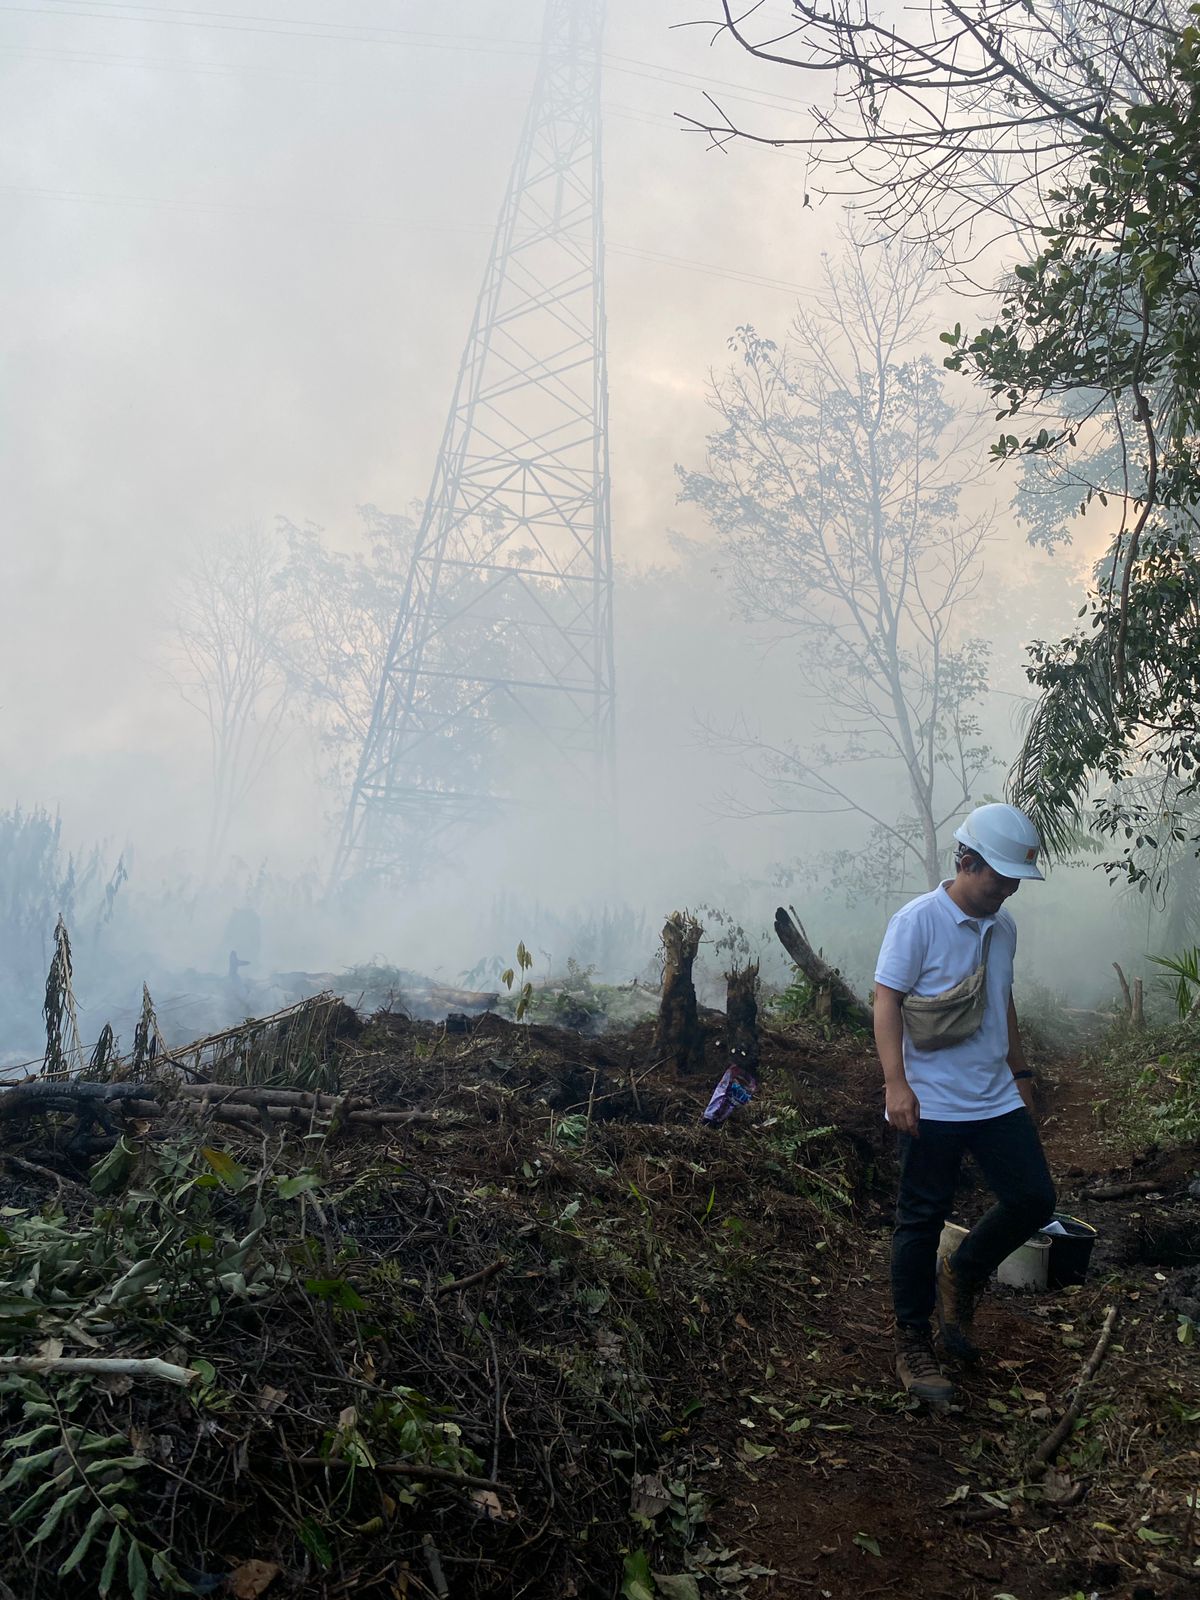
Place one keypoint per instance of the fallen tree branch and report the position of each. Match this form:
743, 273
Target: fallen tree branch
224, 1103
400, 1469
1052, 1443
219, 1093
301, 1116
118, 1366
819, 973
37, 1171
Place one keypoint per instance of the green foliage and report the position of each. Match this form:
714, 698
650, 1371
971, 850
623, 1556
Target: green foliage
1155, 1084
577, 1001
1185, 968
180, 1237
165, 1245
524, 994
415, 1428
1103, 324
795, 1003
636, 1581
76, 1489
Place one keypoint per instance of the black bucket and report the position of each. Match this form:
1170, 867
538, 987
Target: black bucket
1070, 1252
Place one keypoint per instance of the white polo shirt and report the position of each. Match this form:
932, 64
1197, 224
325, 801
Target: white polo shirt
930, 945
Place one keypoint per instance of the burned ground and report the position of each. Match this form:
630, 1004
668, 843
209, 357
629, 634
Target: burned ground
561, 1338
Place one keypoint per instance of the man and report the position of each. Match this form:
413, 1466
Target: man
949, 955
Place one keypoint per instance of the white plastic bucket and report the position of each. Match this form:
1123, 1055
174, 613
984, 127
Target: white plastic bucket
1028, 1267
952, 1237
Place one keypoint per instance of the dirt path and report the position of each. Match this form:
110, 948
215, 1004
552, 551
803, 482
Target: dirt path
861, 1496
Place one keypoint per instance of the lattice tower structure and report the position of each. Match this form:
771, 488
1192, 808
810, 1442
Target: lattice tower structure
499, 678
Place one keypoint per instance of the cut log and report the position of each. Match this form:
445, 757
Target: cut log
1125, 1191
678, 1036
741, 1015
107, 1105
845, 1005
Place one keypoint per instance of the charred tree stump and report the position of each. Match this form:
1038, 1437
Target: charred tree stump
741, 1016
678, 1036
1135, 1000
844, 1004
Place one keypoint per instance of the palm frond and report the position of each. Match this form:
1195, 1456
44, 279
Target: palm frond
1066, 734
1186, 968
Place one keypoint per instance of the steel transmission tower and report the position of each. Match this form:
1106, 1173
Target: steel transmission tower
500, 670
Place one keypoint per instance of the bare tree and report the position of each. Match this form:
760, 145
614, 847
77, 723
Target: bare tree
955, 118
231, 623
834, 482
344, 606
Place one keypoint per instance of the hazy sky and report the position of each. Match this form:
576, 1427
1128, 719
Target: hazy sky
243, 246
243, 243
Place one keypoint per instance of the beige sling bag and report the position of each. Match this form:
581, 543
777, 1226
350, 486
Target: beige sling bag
935, 1021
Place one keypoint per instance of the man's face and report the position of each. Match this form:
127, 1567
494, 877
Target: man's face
986, 889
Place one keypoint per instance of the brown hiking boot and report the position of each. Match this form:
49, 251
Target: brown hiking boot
918, 1370
957, 1298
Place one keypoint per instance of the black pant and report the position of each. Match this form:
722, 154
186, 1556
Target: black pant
1009, 1153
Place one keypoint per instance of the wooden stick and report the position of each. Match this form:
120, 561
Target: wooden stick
122, 1366
433, 1561
1050, 1445
475, 1277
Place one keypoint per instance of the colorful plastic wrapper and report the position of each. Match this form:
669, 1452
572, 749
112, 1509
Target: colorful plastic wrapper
736, 1088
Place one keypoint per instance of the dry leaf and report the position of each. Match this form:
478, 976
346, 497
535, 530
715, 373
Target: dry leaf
252, 1578
488, 1502
270, 1400
1060, 1489
115, 1383
648, 1498
52, 1349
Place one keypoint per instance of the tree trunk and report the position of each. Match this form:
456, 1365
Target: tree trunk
741, 1017
678, 1036
845, 1005
1134, 998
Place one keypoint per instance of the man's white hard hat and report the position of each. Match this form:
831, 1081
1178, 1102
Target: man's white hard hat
1005, 838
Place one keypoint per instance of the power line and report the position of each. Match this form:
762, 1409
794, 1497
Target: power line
488, 44
255, 209
213, 69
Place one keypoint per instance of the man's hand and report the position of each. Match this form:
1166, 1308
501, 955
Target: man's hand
903, 1109
1027, 1089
